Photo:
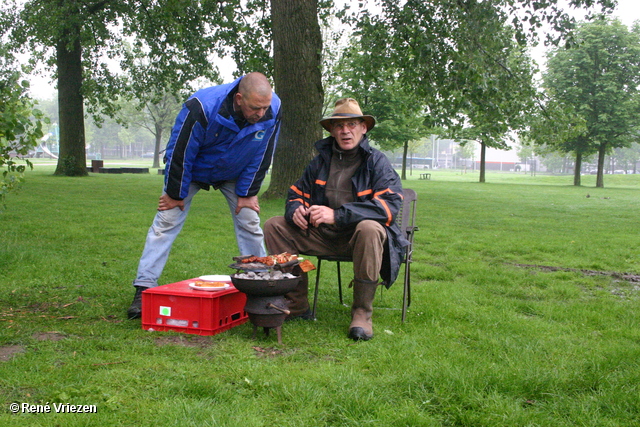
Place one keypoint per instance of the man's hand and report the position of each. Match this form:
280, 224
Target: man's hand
319, 214
248, 202
167, 203
300, 217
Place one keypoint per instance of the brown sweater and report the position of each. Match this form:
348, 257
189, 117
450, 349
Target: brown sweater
344, 164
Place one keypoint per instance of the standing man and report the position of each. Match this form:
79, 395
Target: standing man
345, 203
224, 137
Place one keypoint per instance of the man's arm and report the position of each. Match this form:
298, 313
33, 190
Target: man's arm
184, 144
299, 196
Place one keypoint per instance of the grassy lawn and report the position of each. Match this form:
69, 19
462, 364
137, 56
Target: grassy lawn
525, 312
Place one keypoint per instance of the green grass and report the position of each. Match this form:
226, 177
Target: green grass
487, 341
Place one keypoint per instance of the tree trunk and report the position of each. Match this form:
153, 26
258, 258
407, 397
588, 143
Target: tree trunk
405, 150
483, 153
72, 158
297, 47
602, 151
156, 150
577, 168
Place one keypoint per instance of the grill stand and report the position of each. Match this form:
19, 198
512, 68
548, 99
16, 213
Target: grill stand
267, 312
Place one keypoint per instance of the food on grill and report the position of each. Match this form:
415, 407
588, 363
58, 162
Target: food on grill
306, 266
267, 260
271, 260
284, 257
205, 284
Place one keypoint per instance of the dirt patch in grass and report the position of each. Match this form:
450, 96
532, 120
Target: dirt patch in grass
7, 352
267, 351
185, 341
633, 278
49, 336
621, 291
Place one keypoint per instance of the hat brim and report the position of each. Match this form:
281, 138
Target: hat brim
370, 121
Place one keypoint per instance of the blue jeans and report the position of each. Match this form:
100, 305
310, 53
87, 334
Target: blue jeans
168, 224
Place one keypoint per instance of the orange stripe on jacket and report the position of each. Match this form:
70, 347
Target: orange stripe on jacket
300, 193
305, 204
385, 205
320, 182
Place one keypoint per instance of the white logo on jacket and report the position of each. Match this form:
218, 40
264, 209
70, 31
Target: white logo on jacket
259, 135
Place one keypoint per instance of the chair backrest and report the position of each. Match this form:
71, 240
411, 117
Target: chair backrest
408, 213
407, 218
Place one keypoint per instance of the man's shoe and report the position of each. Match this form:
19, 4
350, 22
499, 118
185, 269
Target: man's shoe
135, 309
307, 315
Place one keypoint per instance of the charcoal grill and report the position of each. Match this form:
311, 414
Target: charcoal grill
266, 304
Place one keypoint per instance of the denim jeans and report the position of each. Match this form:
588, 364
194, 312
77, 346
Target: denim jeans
167, 225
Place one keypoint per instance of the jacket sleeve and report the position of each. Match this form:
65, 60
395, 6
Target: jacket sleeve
381, 202
300, 193
186, 137
251, 177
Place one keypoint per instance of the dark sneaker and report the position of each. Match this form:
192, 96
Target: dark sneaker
135, 309
307, 315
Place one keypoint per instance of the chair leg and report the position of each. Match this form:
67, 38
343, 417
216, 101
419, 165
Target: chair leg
339, 283
315, 292
406, 295
409, 287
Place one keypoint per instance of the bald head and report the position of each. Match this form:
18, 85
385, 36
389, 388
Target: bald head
255, 83
253, 97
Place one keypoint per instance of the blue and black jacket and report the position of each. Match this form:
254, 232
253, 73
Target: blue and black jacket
208, 148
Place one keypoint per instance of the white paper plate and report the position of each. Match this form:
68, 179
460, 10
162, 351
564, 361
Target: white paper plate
215, 278
204, 288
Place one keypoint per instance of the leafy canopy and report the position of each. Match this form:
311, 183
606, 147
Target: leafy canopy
20, 124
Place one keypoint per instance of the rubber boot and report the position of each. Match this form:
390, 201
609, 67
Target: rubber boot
361, 327
298, 301
135, 310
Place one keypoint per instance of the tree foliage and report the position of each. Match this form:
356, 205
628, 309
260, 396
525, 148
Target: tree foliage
497, 91
597, 81
460, 61
20, 124
156, 114
399, 114
161, 44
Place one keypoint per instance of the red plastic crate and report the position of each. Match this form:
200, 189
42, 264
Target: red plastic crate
177, 307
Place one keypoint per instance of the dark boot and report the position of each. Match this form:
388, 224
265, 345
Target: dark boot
135, 309
361, 327
298, 301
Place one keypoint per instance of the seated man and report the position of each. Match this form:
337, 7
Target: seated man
344, 204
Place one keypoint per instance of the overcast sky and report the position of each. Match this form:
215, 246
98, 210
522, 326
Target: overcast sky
627, 11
